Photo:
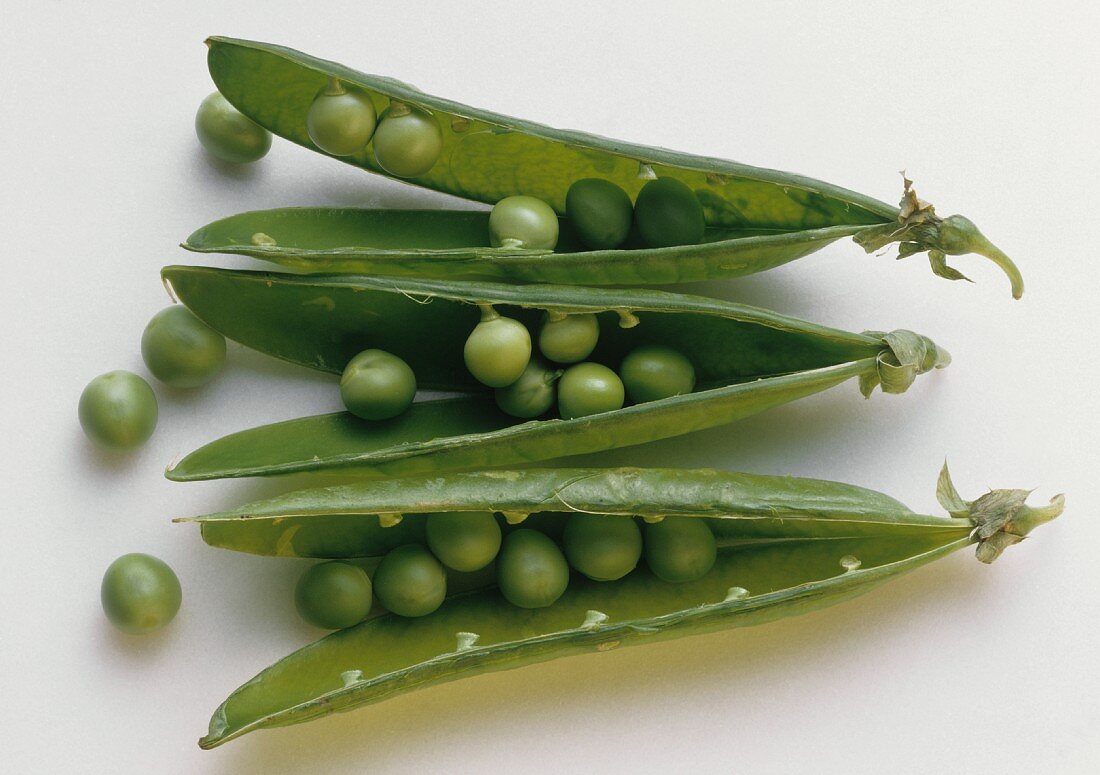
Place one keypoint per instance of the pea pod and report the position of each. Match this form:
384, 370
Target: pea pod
787, 546
747, 360
487, 157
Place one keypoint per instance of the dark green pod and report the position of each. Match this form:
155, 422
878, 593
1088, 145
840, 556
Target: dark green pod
747, 360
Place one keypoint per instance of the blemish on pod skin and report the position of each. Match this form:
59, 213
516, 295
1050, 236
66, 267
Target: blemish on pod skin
321, 301
284, 546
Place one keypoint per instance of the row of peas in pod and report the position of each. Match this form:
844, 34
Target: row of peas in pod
531, 569
377, 385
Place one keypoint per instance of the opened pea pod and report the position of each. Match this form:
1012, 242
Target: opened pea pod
745, 360
785, 546
755, 218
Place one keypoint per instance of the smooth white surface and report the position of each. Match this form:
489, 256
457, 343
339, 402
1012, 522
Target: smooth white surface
991, 107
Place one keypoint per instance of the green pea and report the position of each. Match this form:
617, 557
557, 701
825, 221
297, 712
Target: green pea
680, 548
341, 122
600, 212
140, 593
604, 548
589, 388
532, 394
228, 134
333, 595
463, 540
498, 349
523, 222
653, 372
531, 570
668, 213
408, 141
569, 339
410, 581
377, 385
118, 410
180, 350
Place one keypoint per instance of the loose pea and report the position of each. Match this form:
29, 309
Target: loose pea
600, 212
341, 122
408, 141
668, 213
377, 385
140, 593
333, 595
498, 349
531, 570
523, 222
180, 350
463, 540
118, 410
589, 388
532, 394
410, 581
604, 548
569, 339
680, 548
653, 372
228, 134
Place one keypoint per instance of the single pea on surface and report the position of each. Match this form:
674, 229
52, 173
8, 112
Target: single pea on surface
140, 593
669, 213
333, 595
653, 372
523, 222
408, 141
600, 211
341, 121
569, 339
228, 134
463, 540
680, 549
180, 350
118, 410
603, 548
498, 349
532, 395
589, 388
377, 385
531, 569
410, 581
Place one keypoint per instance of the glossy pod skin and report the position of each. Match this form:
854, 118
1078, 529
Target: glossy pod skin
487, 157
747, 360
787, 546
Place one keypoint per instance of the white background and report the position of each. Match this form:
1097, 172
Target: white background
990, 107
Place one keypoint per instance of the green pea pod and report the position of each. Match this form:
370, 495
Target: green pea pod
786, 546
746, 360
487, 157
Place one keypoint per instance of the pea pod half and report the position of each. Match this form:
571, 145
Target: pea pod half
487, 157
746, 360
787, 546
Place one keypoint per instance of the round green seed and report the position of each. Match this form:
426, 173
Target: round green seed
341, 122
463, 540
118, 410
523, 222
589, 388
180, 350
600, 212
228, 134
333, 595
497, 350
407, 142
410, 581
680, 548
603, 548
531, 570
669, 213
532, 394
653, 372
377, 385
140, 593
570, 339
